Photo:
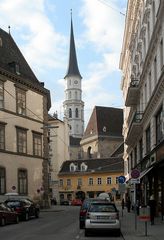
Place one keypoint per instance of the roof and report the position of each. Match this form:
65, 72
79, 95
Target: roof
72, 63
10, 53
105, 121
119, 151
75, 141
98, 165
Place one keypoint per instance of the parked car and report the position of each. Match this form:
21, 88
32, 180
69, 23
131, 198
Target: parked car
64, 202
76, 202
7, 215
84, 208
102, 216
25, 208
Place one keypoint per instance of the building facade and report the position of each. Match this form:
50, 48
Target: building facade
103, 134
142, 63
24, 105
73, 104
88, 178
58, 151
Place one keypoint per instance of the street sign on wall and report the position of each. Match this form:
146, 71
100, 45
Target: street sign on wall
135, 173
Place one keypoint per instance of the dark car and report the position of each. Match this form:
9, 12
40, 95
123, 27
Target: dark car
64, 202
24, 207
7, 215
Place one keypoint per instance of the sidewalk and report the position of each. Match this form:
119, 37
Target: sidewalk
135, 229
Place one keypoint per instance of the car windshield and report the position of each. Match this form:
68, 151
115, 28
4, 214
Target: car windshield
102, 208
14, 204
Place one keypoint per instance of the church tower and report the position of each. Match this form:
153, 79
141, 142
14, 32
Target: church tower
73, 104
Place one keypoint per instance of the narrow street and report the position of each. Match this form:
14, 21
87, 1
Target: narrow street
60, 224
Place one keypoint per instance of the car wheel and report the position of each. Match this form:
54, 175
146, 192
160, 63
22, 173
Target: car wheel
3, 222
17, 219
26, 216
37, 212
81, 225
86, 233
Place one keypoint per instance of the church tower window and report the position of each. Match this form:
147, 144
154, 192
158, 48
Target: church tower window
70, 113
76, 113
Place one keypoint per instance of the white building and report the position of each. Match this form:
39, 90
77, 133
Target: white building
58, 151
24, 105
142, 63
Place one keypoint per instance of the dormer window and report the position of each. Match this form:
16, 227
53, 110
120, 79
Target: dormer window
83, 167
104, 129
0, 42
14, 67
73, 167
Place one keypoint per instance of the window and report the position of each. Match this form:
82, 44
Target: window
70, 113
2, 135
155, 69
68, 182
37, 144
109, 180
141, 149
90, 181
89, 152
148, 140
159, 119
61, 182
99, 181
73, 167
76, 95
161, 53
1, 94
76, 113
22, 182
135, 156
21, 101
2, 180
117, 180
21, 140
79, 182
83, 167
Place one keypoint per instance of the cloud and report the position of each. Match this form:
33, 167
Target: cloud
38, 40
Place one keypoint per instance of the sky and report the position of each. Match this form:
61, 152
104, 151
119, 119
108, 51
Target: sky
41, 29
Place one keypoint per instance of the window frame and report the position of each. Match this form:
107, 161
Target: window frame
2, 179
37, 146
23, 182
21, 100
21, 143
1, 94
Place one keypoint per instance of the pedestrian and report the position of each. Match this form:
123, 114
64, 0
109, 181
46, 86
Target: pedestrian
128, 203
152, 205
123, 203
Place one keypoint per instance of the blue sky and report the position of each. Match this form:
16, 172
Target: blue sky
41, 29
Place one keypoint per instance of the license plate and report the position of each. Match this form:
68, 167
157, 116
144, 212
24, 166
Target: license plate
103, 217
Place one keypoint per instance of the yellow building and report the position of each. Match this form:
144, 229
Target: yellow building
89, 178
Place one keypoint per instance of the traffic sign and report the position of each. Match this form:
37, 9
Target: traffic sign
121, 179
135, 173
135, 180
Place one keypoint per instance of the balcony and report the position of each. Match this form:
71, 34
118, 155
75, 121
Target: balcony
132, 93
134, 128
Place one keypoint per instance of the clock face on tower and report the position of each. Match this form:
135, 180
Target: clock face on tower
75, 82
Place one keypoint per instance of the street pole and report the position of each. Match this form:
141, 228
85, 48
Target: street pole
135, 209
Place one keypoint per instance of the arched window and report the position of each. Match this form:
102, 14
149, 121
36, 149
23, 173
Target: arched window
76, 113
70, 113
89, 152
2, 180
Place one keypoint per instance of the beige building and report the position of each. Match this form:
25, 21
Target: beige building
24, 105
103, 134
142, 63
58, 151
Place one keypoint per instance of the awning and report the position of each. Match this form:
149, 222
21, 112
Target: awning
142, 174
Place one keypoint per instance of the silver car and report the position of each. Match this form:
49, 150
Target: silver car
102, 216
